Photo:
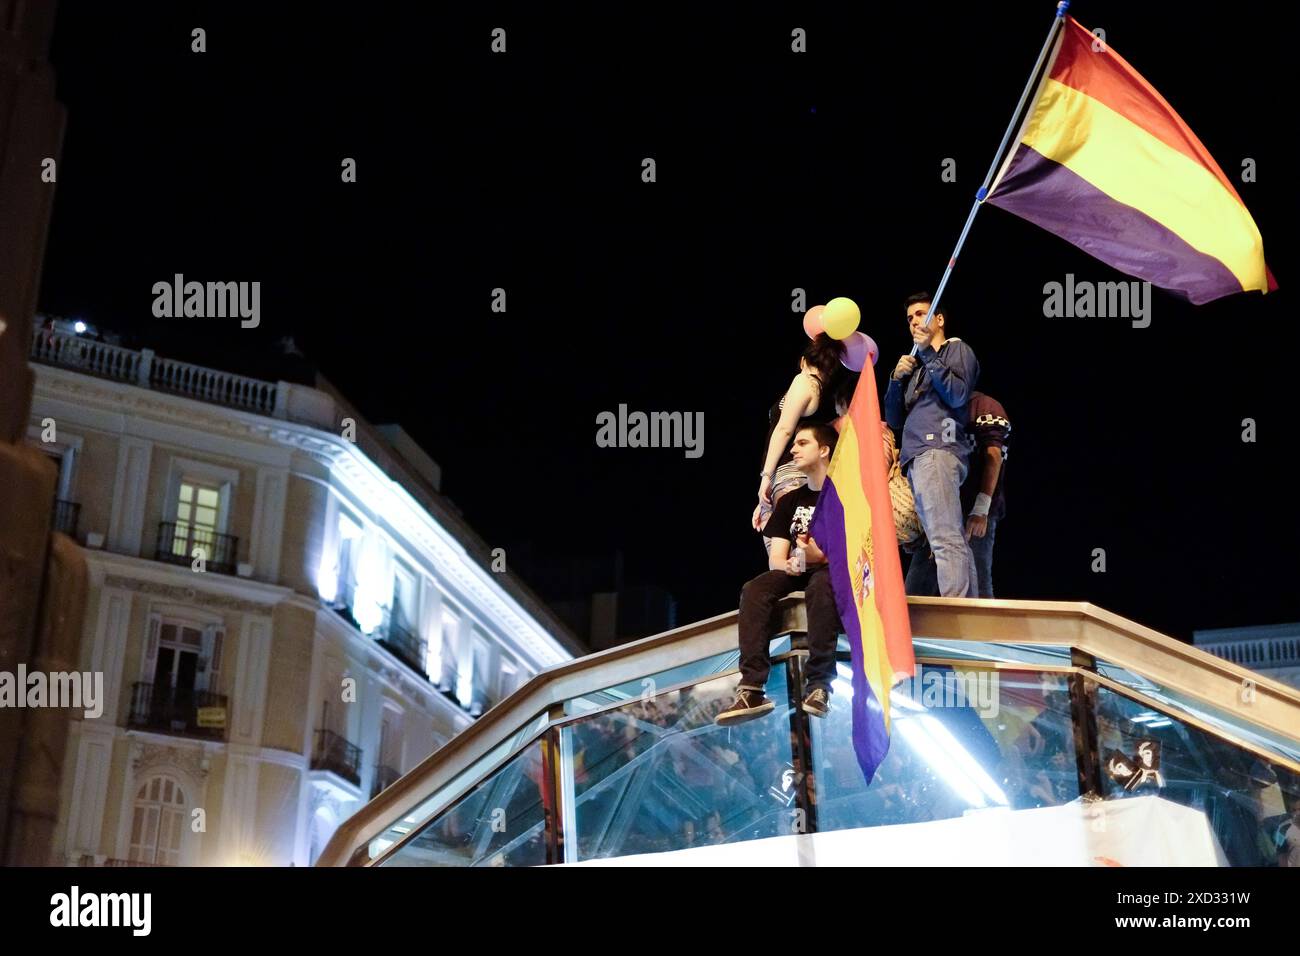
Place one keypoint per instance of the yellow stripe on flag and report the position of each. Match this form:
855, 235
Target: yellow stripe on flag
1133, 167
857, 528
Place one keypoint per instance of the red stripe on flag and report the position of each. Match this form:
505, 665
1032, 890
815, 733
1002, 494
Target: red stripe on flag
1108, 78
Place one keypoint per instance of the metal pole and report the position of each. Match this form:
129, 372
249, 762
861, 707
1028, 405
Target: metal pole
1059, 19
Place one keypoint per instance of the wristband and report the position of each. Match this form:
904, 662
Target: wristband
981, 506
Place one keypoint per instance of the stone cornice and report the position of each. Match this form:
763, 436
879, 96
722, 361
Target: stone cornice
198, 596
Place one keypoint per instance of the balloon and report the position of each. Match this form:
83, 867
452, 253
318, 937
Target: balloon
812, 321
841, 317
858, 347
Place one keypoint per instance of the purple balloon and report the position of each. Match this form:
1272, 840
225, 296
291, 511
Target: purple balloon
857, 347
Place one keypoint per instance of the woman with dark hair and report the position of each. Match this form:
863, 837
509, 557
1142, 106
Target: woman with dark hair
808, 397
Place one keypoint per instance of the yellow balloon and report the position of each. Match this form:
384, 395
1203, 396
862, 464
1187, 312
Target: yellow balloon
841, 317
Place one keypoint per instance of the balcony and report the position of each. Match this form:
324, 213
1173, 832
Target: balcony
176, 544
385, 777
144, 369
66, 516
147, 370
337, 755
90, 860
410, 648
178, 710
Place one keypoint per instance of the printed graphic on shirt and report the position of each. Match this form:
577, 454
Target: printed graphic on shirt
802, 518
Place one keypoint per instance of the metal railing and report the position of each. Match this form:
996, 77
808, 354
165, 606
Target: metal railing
337, 755
89, 860
177, 541
66, 516
409, 647
175, 710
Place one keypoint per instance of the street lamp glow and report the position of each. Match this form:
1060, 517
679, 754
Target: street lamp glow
79, 326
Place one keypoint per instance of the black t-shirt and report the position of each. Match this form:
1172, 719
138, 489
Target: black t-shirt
792, 515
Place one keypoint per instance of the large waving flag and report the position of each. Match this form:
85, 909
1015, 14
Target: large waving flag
854, 527
1103, 161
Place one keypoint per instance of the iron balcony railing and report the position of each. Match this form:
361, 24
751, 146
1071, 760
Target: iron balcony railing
337, 755
411, 648
178, 710
66, 516
177, 541
89, 860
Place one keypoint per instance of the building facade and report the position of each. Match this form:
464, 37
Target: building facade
1271, 649
286, 613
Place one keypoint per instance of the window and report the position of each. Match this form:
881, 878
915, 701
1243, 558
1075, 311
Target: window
509, 677
182, 660
198, 515
482, 676
349, 553
179, 648
158, 823
447, 654
198, 503
405, 600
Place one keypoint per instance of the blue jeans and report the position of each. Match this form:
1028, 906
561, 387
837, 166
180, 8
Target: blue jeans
981, 550
922, 576
936, 476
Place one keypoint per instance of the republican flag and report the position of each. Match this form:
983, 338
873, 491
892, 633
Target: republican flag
854, 526
1103, 161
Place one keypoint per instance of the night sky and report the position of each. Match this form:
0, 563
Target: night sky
775, 171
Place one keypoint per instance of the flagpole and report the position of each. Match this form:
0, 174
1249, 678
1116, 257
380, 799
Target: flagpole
1057, 21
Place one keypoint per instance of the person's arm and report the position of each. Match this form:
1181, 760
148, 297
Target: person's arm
953, 372
777, 530
894, 406
977, 522
992, 469
797, 399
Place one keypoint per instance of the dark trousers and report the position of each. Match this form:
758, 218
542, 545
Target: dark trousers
757, 602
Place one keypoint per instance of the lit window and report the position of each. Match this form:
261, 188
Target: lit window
198, 509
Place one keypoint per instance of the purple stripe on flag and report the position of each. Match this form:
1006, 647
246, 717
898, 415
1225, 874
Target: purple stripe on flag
870, 739
1059, 200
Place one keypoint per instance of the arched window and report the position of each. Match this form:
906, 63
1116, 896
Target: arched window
158, 823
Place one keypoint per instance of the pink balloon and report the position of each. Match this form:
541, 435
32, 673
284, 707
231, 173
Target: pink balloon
857, 348
812, 321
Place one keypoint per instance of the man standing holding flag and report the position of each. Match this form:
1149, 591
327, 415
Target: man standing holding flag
927, 401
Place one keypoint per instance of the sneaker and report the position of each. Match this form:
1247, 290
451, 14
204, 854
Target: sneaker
747, 705
817, 703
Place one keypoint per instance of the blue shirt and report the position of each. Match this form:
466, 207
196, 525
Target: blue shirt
931, 405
